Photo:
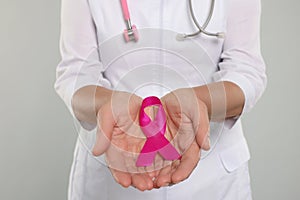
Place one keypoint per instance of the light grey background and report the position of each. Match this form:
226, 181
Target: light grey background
37, 135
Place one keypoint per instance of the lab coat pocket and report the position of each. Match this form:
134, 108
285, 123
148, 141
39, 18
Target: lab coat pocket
235, 156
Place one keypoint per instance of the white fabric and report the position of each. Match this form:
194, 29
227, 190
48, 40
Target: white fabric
89, 25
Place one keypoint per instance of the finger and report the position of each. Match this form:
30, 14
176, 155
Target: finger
202, 127
151, 172
164, 177
104, 132
148, 179
157, 165
187, 164
142, 182
102, 143
175, 165
123, 178
140, 179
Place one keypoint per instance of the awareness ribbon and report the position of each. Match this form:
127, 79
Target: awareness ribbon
154, 130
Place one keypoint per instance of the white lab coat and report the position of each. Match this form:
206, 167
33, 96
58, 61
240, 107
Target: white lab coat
91, 45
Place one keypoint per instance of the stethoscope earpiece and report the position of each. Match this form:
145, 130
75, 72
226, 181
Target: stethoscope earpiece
180, 36
221, 35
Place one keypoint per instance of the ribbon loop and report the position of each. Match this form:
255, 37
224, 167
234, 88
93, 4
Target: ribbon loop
154, 130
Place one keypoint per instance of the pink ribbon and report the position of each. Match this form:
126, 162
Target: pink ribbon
154, 130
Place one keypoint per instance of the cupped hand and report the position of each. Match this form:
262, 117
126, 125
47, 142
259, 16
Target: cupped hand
119, 136
188, 129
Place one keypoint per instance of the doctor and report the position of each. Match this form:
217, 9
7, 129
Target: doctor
104, 96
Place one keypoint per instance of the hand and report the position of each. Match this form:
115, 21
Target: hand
120, 137
188, 128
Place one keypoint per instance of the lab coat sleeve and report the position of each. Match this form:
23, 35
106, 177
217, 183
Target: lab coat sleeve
241, 59
80, 63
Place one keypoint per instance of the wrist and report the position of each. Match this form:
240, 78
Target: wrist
86, 102
102, 97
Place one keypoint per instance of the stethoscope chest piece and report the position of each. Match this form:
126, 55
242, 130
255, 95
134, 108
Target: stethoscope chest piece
131, 34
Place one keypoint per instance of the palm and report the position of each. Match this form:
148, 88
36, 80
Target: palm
119, 127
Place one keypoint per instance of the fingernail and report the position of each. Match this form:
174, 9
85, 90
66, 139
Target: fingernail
116, 179
94, 152
207, 143
165, 184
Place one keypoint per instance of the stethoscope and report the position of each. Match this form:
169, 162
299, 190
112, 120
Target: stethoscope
131, 33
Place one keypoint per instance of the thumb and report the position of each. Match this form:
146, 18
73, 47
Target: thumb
105, 127
202, 130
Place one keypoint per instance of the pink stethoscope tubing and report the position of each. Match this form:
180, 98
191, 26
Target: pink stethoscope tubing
130, 33
125, 10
